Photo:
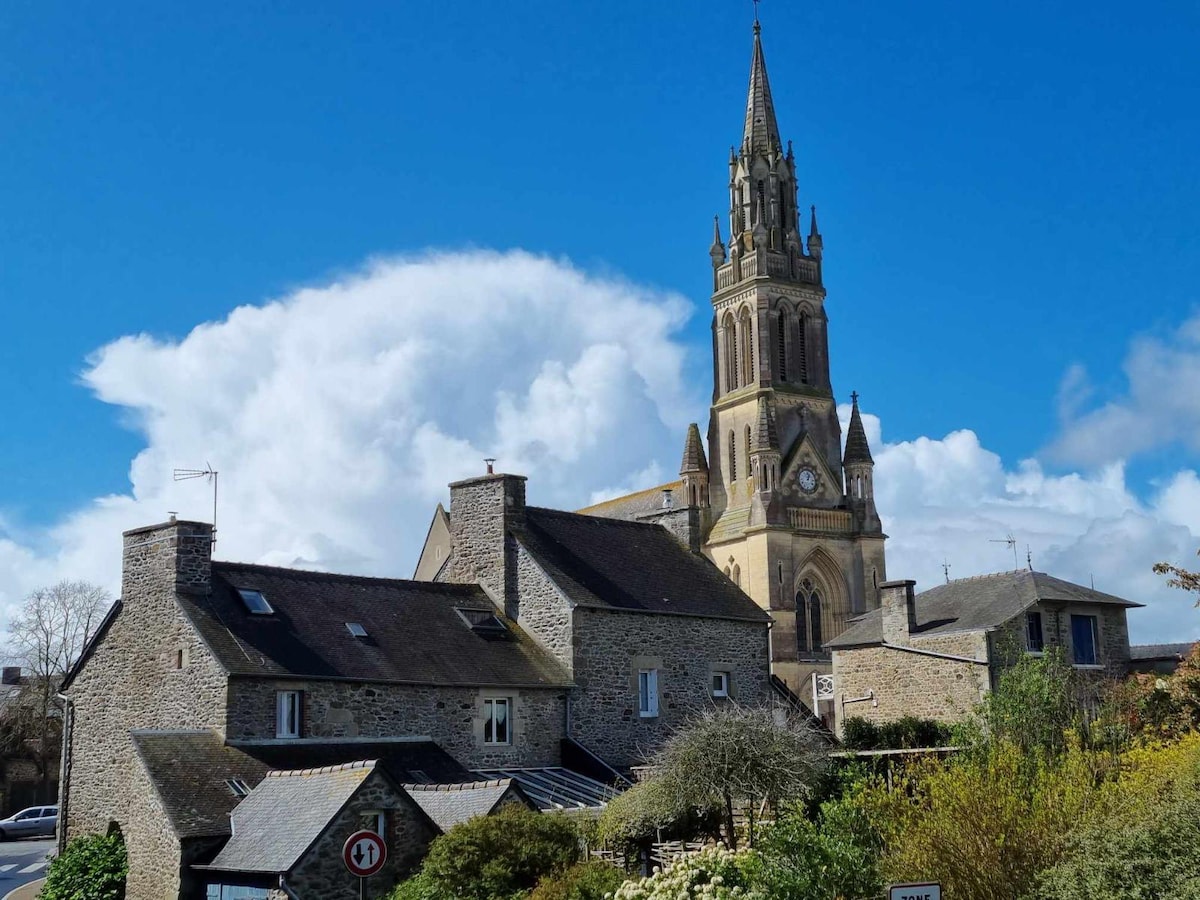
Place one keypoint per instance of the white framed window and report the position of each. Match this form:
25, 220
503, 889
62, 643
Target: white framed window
375, 820
497, 720
720, 684
648, 693
1035, 640
287, 713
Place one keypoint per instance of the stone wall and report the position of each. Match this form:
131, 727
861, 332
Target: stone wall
149, 670
545, 613
610, 649
908, 682
321, 873
453, 717
481, 512
154, 851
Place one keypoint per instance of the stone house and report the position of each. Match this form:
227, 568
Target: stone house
556, 647
936, 654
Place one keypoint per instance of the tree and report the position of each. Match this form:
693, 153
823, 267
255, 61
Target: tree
735, 756
1180, 578
46, 637
1034, 704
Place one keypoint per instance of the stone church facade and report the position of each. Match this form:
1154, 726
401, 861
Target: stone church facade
783, 510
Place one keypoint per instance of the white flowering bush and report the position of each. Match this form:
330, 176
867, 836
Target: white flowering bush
712, 874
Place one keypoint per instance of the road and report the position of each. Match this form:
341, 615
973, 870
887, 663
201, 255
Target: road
22, 861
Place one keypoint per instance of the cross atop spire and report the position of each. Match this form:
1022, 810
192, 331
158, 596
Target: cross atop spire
761, 132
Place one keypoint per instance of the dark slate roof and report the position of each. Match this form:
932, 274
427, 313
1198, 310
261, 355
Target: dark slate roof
630, 506
976, 604
1144, 652
765, 435
285, 814
631, 566
402, 759
189, 770
693, 452
857, 449
449, 804
414, 634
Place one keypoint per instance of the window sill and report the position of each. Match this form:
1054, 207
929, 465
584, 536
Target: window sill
1093, 666
1035, 652
647, 715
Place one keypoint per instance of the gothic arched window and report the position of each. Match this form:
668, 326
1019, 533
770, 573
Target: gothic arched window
747, 445
729, 334
746, 346
809, 631
781, 348
801, 362
732, 458
801, 622
814, 613
737, 575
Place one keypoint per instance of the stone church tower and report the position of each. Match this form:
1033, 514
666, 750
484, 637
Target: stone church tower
780, 508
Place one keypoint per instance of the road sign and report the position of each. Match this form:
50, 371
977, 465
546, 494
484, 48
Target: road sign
924, 891
364, 853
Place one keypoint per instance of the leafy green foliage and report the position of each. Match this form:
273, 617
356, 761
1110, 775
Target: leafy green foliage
1034, 705
714, 874
649, 808
1153, 707
496, 856
903, 734
583, 881
92, 867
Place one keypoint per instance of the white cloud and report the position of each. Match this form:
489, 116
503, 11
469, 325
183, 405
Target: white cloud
1160, 407
337, 415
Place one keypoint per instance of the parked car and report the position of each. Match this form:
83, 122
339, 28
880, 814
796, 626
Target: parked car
37, 820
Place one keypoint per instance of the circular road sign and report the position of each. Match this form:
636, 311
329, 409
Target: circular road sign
364, 853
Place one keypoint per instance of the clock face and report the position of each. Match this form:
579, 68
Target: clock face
807, 480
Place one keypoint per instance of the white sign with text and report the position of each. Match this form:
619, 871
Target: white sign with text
927, 891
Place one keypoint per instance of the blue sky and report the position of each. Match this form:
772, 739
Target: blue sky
1008, 193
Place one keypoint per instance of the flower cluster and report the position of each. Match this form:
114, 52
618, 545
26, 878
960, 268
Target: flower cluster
712, 874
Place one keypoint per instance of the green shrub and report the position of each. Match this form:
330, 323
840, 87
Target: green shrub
497, 856
859, 734
89, 868
714, 874
419, 887
907, 733
583, 881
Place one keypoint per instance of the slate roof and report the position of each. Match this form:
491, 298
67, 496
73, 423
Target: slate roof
630, 506
403, 760
449, 804
857, 448
414, 634
189, 770
761, 132
629, 566
1144, 652
693, 452
976, 604
285, 814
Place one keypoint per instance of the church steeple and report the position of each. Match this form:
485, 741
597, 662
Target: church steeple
761, 132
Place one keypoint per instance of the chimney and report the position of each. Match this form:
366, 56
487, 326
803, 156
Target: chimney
176, 555
897, 611
10, 675
482, 512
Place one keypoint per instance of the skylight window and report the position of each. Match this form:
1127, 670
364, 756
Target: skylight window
255, 602
237, 786
482, 620
355, 629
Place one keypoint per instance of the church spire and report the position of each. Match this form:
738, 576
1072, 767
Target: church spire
857, 449
761, 132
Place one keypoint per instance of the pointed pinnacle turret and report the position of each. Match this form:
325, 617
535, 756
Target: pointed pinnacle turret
717, 250
761, 132
765, 435
816, 246
857, 449
693, 452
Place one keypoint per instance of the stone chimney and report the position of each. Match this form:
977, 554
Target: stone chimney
176, 555
482, 512
897, 611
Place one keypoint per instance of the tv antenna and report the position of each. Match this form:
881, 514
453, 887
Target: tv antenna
1029, 557
210, 474
1012, 545
946, 569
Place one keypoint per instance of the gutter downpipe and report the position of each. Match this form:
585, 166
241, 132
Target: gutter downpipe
283, 886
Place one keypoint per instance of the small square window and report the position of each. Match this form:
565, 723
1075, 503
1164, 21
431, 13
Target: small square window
720, 684
238, 787
355, 629
255, 602
648, 693
497, 728
375, 820
483, 621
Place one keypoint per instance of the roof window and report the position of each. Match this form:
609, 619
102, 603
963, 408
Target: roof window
255, 602
238, 787
355, 629
483, 621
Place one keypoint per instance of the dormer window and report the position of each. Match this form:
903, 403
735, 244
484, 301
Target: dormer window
483, 621
355, 629
238, 787
256, 603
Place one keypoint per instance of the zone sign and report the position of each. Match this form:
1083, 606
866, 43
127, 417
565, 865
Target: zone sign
364, 853
930, 891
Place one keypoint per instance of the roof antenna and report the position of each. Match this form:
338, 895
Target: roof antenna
1012, 545
209, 473
946, 569
1029, 557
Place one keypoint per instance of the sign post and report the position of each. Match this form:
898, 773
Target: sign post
926, 890
364, 854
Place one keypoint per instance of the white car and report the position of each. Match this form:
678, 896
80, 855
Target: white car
37, 820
